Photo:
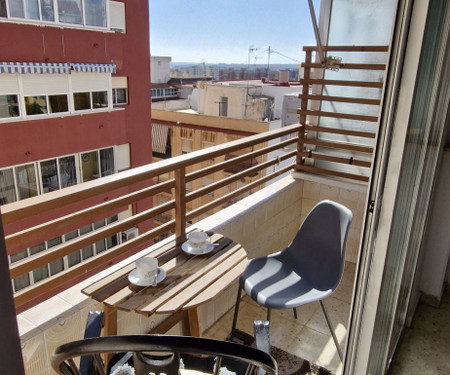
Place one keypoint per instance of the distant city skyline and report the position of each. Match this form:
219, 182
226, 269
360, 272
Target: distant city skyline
213, 32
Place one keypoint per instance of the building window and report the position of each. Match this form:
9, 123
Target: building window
42, 94
9, 106
90, 100
36, 105
81, 101
120, 96
95, 12
47, 10
44, 176
41, 105
7, 186
100, 99
223, 106
97, 164
67, 261
3, 12
89, 166
26, 181
67, 171
107, 161
49, 176
58, 103
69, 11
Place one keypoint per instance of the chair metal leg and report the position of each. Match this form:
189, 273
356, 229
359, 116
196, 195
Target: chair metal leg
295, 313
236, 311
330, 326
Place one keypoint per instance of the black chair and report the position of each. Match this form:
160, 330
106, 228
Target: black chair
160, 354
90, 365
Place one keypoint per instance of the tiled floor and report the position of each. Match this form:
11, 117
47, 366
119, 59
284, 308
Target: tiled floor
308, 336
425, 346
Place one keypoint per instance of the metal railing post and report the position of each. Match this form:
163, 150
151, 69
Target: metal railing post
303, 106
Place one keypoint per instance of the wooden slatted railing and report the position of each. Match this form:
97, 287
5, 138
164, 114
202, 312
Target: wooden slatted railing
51, 204
313, 136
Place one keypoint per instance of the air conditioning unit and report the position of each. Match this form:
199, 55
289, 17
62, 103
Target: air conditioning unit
129, 234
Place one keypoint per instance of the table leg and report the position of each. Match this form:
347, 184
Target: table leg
194, 323
110, 328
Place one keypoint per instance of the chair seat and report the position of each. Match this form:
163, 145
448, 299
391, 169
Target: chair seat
273, 284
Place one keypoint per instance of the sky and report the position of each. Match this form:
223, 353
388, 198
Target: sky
222, 31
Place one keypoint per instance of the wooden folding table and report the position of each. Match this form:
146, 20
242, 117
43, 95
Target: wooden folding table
191, 280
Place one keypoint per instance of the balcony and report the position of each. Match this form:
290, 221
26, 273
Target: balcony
263, 214
263, 222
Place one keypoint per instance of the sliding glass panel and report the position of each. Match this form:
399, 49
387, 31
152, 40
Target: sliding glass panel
120, 96
87, 251
49, 176
75, 257
107, 161
100, 99
70, 11
9, 106
113, 240
36, 105
58, 264
82, 101
58, 103
31, 9
67, 171
100, 246
42, 272
47, 10
89, 165
422, 149
3, 12
7, 188
95, 12
26, 181
18, 256
23, 280
16, 9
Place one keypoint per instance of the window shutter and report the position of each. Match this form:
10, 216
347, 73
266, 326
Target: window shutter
82, 82
119, 82
117, 16
9, 84
39, 84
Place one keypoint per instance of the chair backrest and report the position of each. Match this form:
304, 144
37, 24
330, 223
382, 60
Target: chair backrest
89, 364
318, 250
63, 356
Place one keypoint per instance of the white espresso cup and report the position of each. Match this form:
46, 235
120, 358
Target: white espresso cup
197, 240
147, 268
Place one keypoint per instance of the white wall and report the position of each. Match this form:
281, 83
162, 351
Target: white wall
160, 69
278, 93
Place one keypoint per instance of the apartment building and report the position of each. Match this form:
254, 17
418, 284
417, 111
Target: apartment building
74, 107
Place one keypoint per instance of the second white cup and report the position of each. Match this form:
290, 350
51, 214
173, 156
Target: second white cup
197, 240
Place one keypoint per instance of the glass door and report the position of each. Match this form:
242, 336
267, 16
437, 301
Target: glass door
410, 147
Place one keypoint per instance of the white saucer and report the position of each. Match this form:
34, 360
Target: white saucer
207, 248
133, 277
